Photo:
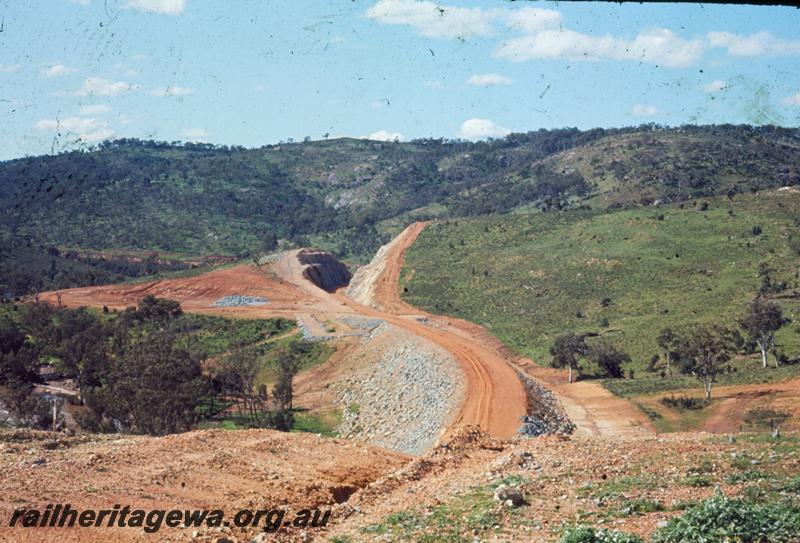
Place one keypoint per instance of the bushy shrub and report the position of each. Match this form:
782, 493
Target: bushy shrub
764, 416
587, 534
728, 519
683, 403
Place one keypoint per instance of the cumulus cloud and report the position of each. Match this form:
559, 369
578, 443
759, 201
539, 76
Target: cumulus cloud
715, 86
95, 109
643, 110
9, 68
433, 20
170, 7
87, 129
655, 46
543, 35
57, 70
488, 80
475, 129
754, 45
194, 134
531, 20
385, 135
97, 86
793, 100
172, 91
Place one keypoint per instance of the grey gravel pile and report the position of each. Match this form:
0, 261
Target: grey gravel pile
545, 408
403, 399
532, 426
239, 301
361, 323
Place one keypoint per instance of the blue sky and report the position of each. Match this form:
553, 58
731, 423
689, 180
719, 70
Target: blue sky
75, 72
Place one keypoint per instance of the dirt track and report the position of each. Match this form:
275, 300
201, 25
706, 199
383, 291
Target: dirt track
593, 409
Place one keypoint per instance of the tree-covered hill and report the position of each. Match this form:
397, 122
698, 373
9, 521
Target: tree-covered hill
346, 195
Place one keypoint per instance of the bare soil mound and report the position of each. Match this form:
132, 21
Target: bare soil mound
215, 469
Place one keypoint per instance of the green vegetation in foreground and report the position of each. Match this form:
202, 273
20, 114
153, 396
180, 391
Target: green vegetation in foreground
216, 335
624, 274
324, 424
474, 512
719, 518
154, 369
308, 354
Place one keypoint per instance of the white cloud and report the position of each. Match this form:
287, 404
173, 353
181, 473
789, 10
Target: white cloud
87, 129
544, 36
97, 86
642, 110
126, 70
531, 20
194, 134
95, 109
172, 91
170, 7
793, 100
654, 46
754, 45
436, 20
715, 86
433, 20
81, 2
433, 84
488, 80
57, 70
475, 129
9, 68
385, 135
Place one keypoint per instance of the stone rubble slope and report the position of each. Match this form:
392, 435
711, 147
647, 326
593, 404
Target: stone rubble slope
404, 394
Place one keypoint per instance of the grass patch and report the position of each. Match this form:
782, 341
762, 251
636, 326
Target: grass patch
471, 514
316, 423
217, 335
530, 277
639, 506
698, 481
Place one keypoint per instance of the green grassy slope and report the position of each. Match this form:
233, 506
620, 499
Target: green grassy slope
530, 277
201, 199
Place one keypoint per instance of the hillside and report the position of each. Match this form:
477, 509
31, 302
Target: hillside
623, 274
350, 195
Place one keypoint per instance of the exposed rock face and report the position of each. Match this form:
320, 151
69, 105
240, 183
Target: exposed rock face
323, 269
